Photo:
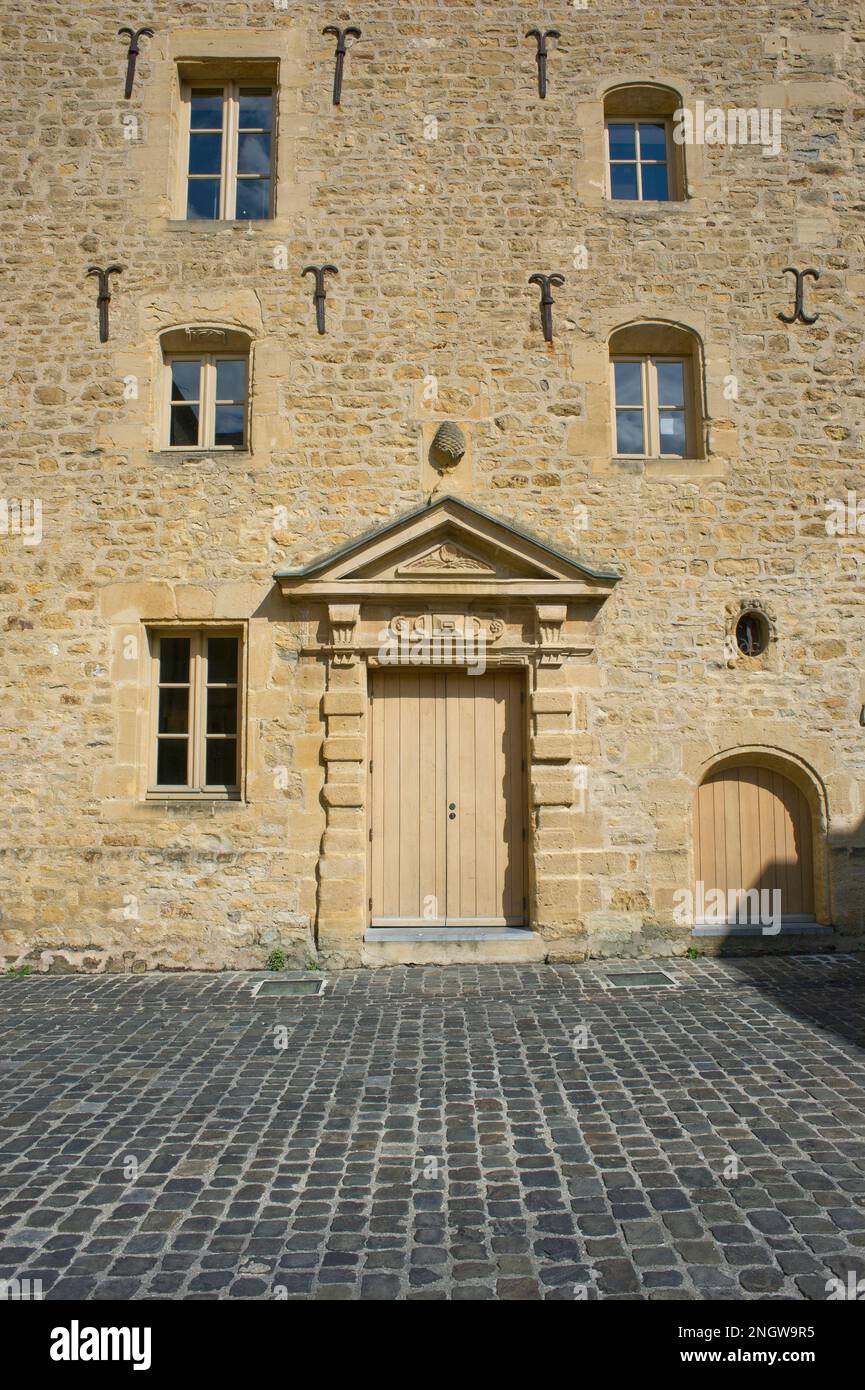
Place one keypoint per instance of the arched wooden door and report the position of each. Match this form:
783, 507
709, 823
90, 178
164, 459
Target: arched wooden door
753, 830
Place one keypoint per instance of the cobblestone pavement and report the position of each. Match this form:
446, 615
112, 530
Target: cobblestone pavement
437, 1133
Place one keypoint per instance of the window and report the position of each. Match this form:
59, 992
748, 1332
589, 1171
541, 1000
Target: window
208, 402
649, 395
206, 390
656, 391
196, 713
230, 151
752, 633
638, 160
644, 164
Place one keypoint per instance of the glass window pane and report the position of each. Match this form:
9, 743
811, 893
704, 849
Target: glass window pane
171, 761
671, 383
229, 425
231, 380
253, 199
629, 432
222, 659
656, 186
256, 108
623, 180
205, 108
184, 425
222, 710
622, 141
174, 660
185, 381
173, 710
253, 154
221, 762
672, 430
205, 154
629, 383
202, 199
653, 141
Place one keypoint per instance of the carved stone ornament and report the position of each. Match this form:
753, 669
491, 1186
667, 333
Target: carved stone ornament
446, 558
551, 617
448, 446
343, 623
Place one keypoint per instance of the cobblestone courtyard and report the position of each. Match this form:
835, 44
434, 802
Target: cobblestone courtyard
437, 1133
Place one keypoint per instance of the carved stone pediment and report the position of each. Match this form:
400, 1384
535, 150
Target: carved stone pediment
446, 582
451, 550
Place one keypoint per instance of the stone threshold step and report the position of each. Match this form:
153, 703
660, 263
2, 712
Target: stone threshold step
450, 934
787, 929
451, 946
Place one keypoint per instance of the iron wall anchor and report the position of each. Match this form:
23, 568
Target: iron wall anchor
541, 38
320, 295
341, 35
799, 307
545, 282
103, 299
132, 54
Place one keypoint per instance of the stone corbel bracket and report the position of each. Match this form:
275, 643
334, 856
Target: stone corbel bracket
551, 618
344, 619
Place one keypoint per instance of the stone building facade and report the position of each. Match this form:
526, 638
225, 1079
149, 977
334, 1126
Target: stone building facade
679, 630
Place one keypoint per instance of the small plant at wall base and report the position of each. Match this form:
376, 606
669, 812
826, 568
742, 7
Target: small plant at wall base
24, 970
691, 953
277, 960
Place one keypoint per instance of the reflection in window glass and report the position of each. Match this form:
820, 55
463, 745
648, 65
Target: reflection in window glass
223, 119
638, 160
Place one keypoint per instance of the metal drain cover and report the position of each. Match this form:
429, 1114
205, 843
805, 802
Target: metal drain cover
281, 989
635, 979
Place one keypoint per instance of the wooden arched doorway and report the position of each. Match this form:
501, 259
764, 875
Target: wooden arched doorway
753, 831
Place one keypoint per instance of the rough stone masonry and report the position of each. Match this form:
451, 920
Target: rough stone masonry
437, 187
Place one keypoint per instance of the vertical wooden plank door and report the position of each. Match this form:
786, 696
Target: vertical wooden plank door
447, 799
753, 830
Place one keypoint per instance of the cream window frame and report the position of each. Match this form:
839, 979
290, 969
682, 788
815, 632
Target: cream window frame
673, 193
228, 179
651, 407
195, 787
207, 401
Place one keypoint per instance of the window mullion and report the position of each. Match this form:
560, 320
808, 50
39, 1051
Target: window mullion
232, 117
207, 407
653, 436
195, 713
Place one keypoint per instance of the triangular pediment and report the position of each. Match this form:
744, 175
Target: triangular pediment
449, 547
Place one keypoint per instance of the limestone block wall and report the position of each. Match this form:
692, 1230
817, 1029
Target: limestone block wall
438, 187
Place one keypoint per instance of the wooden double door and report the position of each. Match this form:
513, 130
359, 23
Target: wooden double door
447, 797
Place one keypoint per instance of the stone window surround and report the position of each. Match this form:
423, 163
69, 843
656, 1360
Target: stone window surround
279, 55
143, 417
591, 173
591, 436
